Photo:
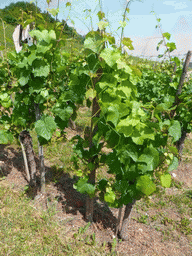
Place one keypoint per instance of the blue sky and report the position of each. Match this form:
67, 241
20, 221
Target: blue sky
176, 17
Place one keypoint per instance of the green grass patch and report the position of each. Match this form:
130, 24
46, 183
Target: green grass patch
169, 214
187, 153
24, 231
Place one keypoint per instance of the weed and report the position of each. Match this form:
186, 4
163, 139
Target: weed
166, 235
185, 226
189, 194
24, 231
90, 239
51, 207
154, 217
142, 219
113, 246
177, 184
166, 221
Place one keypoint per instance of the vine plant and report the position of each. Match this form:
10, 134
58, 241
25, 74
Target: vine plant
138, 137
39, 70
140, 133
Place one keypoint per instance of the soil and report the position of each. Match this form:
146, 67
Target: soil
70, 209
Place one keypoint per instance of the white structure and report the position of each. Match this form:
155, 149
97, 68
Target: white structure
20, 35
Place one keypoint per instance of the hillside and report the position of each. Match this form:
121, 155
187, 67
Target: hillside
11, 14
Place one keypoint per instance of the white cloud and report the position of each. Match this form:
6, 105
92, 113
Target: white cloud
176, 5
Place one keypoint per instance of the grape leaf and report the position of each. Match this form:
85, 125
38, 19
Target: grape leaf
110, 56
63, 113
84, 187
128, 42
45, 127
165, 180
150, 157
145, 185
5, 137
109, 195
175, 130
174, 164
41, 68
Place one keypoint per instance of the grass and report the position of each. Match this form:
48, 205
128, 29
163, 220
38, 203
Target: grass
160, 213
187, 153
26, 231
9, 29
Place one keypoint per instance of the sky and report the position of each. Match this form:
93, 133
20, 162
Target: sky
176, 18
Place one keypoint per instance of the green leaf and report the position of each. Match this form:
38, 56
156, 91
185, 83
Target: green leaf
84, 187
123, 23
174, 85
112, 114
122, 186
122, 127
124, 91
110, 56
112, 138
23, 63
145, 185
31, 58
79, 173
42, 47
172, 46
91, 166
164, 106
109, 196
109, 38
5, 137
159, 44
101, 15
102, 184
94, 43
63, 113
36, 84
93, 63
122, 65
174, 164
90, 94
53, 11
41, 68
176, 60
44, 93
128, 42
68, 4
167, 35
143, 133
173, 150
102, 24
175, 130
5, 100
45, 127
165, 180
44, 35
150, 157
24, 77
132, 151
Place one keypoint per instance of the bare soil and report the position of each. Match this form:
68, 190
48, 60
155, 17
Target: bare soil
144, 239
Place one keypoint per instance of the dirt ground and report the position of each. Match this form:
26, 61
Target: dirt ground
143, 239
